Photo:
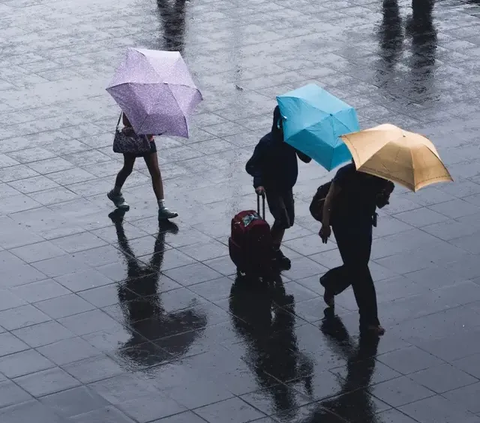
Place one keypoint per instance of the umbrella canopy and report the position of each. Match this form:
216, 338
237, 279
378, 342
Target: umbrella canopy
156, 92
391, 153
313, 121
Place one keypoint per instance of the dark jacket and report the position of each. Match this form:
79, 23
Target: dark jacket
359, 194
274, 162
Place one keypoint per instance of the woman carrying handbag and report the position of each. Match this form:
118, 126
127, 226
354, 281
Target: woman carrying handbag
131, 145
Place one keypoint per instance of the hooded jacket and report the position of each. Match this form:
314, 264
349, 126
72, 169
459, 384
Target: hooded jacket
274, 162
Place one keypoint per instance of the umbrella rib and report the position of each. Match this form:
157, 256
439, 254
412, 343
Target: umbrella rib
144, 120
178, 105
341, 123
413, 168
149, 83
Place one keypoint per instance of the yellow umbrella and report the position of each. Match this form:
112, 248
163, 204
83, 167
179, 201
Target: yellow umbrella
391, 153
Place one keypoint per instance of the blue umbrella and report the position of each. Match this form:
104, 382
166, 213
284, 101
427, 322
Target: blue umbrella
313, 121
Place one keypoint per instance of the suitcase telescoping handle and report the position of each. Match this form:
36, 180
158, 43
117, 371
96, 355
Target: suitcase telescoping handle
263, 205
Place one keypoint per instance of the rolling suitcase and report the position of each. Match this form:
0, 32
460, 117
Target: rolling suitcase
250, 243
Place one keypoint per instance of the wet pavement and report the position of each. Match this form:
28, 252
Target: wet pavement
115, 320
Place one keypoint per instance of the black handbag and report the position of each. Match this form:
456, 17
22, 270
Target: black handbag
128, 142
318, 201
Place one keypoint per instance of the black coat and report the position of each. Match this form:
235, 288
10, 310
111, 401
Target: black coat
274, 162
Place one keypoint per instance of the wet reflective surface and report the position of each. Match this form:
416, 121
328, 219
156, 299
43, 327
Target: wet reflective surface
115, 319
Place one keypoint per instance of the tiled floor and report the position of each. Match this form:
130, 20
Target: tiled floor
109, 320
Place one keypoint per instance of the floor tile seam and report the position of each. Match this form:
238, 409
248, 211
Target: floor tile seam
200, 283
263, 412
452, 363
400, 408
14, 381
10, 250
398, 253
428, 207
448, 241
90, 231
16, 352
39, 397
54, 365
402, 374
431, 395
445, 361
54, 203
56, 319
234, 396
102, 354
423, 316
461, 370
13, 403
29, 208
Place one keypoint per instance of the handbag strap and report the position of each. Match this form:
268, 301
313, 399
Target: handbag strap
118, 122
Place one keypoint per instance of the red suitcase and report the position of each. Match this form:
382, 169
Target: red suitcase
250, 243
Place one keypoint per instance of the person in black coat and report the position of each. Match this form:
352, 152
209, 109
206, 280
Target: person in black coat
350, 209
274, 168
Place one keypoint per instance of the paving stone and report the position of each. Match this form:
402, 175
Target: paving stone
47, 382
74, 402
443, 378
23, 363
163, 337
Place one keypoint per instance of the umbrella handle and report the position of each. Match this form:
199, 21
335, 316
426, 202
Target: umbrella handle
263, 205
118, 122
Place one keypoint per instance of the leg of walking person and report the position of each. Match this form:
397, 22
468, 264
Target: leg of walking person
115, 195
154, 169
337, 280
282, 209
354, 243
356, 262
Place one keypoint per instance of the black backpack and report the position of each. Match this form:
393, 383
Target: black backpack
316, 206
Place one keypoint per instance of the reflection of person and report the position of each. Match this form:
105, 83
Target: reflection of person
350, 208
173, 18
274, 168
263, 316
151, 159
424, 45
420, 28
147, 319
390, 34
353, 402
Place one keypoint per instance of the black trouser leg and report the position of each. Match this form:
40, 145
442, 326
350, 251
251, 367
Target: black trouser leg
354, 244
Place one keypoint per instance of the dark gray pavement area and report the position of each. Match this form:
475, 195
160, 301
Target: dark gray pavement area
116, 321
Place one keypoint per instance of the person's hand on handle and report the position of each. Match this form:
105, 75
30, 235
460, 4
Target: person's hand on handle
325, 233
260, 190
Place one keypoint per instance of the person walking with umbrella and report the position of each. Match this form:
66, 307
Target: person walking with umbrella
381, 156
350, 208
151, 160
157, 95
274, 168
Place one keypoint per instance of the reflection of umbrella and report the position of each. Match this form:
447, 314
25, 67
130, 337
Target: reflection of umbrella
156, 91
263, 315
354, 401
157, 335
399, 156
313, 121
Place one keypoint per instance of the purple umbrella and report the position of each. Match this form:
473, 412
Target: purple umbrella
156, 92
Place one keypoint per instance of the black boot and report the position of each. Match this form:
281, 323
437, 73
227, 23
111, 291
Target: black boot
281, 261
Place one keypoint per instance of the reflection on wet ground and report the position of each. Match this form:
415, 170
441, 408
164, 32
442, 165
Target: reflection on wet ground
172, 16
112, 318
419, 33
157, 336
